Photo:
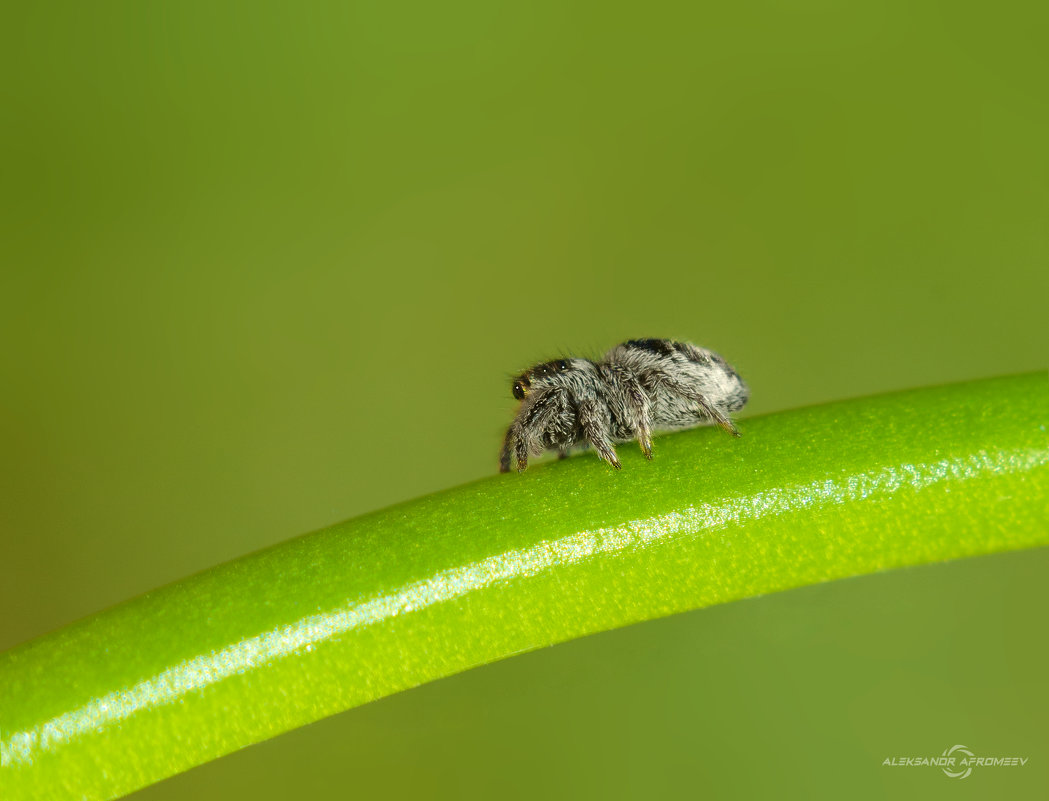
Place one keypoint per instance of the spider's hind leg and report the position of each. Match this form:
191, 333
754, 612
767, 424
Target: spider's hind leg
716, 415
719, 417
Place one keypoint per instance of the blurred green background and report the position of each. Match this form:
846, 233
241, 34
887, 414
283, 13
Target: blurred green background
267, 266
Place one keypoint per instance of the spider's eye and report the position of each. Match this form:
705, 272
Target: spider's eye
518, 390
562, 365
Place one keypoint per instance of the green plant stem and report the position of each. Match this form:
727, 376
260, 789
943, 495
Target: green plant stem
510, 563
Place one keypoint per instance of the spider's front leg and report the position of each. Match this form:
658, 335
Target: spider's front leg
540, 415
515, 448
509, 442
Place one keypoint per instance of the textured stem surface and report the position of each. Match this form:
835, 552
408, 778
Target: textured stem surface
365, 608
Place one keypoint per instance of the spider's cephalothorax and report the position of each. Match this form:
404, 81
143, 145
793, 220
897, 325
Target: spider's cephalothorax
640, 386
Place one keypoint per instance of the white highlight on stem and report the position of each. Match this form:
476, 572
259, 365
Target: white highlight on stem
204, 670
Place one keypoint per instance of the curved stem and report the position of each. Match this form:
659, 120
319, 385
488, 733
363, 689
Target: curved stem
368, 607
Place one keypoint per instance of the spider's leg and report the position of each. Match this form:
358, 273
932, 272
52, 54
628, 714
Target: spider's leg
644, 439
632, 405
717, 415
525, 433
541, 418
515, 449
508, 446
709, 409
639, 404
595, 428
521, 453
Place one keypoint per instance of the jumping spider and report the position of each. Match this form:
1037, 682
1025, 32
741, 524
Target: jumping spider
640, 386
